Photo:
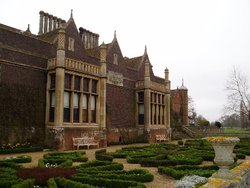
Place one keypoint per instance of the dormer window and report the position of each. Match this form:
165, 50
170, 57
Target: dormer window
115, 60
71, 44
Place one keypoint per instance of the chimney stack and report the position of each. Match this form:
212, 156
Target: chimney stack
89, 39
48, 22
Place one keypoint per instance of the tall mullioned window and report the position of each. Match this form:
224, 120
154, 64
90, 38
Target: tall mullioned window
52, 97
140, 104
67, 97
157, 108
80, 99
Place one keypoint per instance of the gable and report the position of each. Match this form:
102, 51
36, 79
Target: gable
74, 47
115, 60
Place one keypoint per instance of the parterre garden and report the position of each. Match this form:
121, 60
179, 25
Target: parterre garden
56, 169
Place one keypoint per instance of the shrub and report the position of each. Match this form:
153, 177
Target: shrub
181, 171
41, 175
54, 163
10, 165
66, 183
103, 182
183, 159
18, 159
21, 150
24, 184
76, 156
51, 183
103, 156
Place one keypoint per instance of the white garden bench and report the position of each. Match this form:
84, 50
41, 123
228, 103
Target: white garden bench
161, 137
85, 141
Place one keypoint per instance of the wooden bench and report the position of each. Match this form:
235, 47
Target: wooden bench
85, 141
161, 137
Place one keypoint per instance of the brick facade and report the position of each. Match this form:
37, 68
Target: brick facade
72, 86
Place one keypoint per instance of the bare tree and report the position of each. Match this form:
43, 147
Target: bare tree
191, 110
238, 96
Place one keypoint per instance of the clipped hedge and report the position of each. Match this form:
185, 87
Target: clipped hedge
76, 156
54, 163
51, 183
108, 183
102, 155
66, 183
8, 177
181, 171
21, 150
42, 175
10, 165
18, 159
24, 184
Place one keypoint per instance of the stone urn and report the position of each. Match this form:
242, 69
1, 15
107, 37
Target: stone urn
223, 147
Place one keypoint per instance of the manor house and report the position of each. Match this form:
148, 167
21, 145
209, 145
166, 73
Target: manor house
61, 83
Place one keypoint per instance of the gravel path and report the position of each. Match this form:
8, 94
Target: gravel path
160, 181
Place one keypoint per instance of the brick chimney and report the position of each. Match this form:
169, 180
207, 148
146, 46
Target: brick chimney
48, 22
89, 39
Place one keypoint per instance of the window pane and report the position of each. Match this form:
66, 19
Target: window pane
77, 83
141, 96
67, 81
66, 99
141, 119
84, 102
76, 114
86, 85
76, 100
52, 103
52, 81
94, 86
141, 109
93, 102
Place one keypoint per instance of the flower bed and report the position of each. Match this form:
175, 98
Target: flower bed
18, 148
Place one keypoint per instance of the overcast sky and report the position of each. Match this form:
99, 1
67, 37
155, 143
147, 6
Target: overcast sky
198, 40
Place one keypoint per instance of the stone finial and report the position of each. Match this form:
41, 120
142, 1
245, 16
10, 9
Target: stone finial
166, 74
114, 39
71, 13
28, 29
145, 50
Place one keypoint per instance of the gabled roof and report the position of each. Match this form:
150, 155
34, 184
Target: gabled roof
133, 63
50, 37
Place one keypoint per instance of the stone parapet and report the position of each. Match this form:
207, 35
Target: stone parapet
75, 65
153, 85
241, 179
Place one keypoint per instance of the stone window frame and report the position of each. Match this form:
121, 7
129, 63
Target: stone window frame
141, 106
157, 108
91, 114
52, 86
115, 59
71, 44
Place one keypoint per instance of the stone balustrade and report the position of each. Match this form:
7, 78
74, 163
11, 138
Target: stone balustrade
75, 65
